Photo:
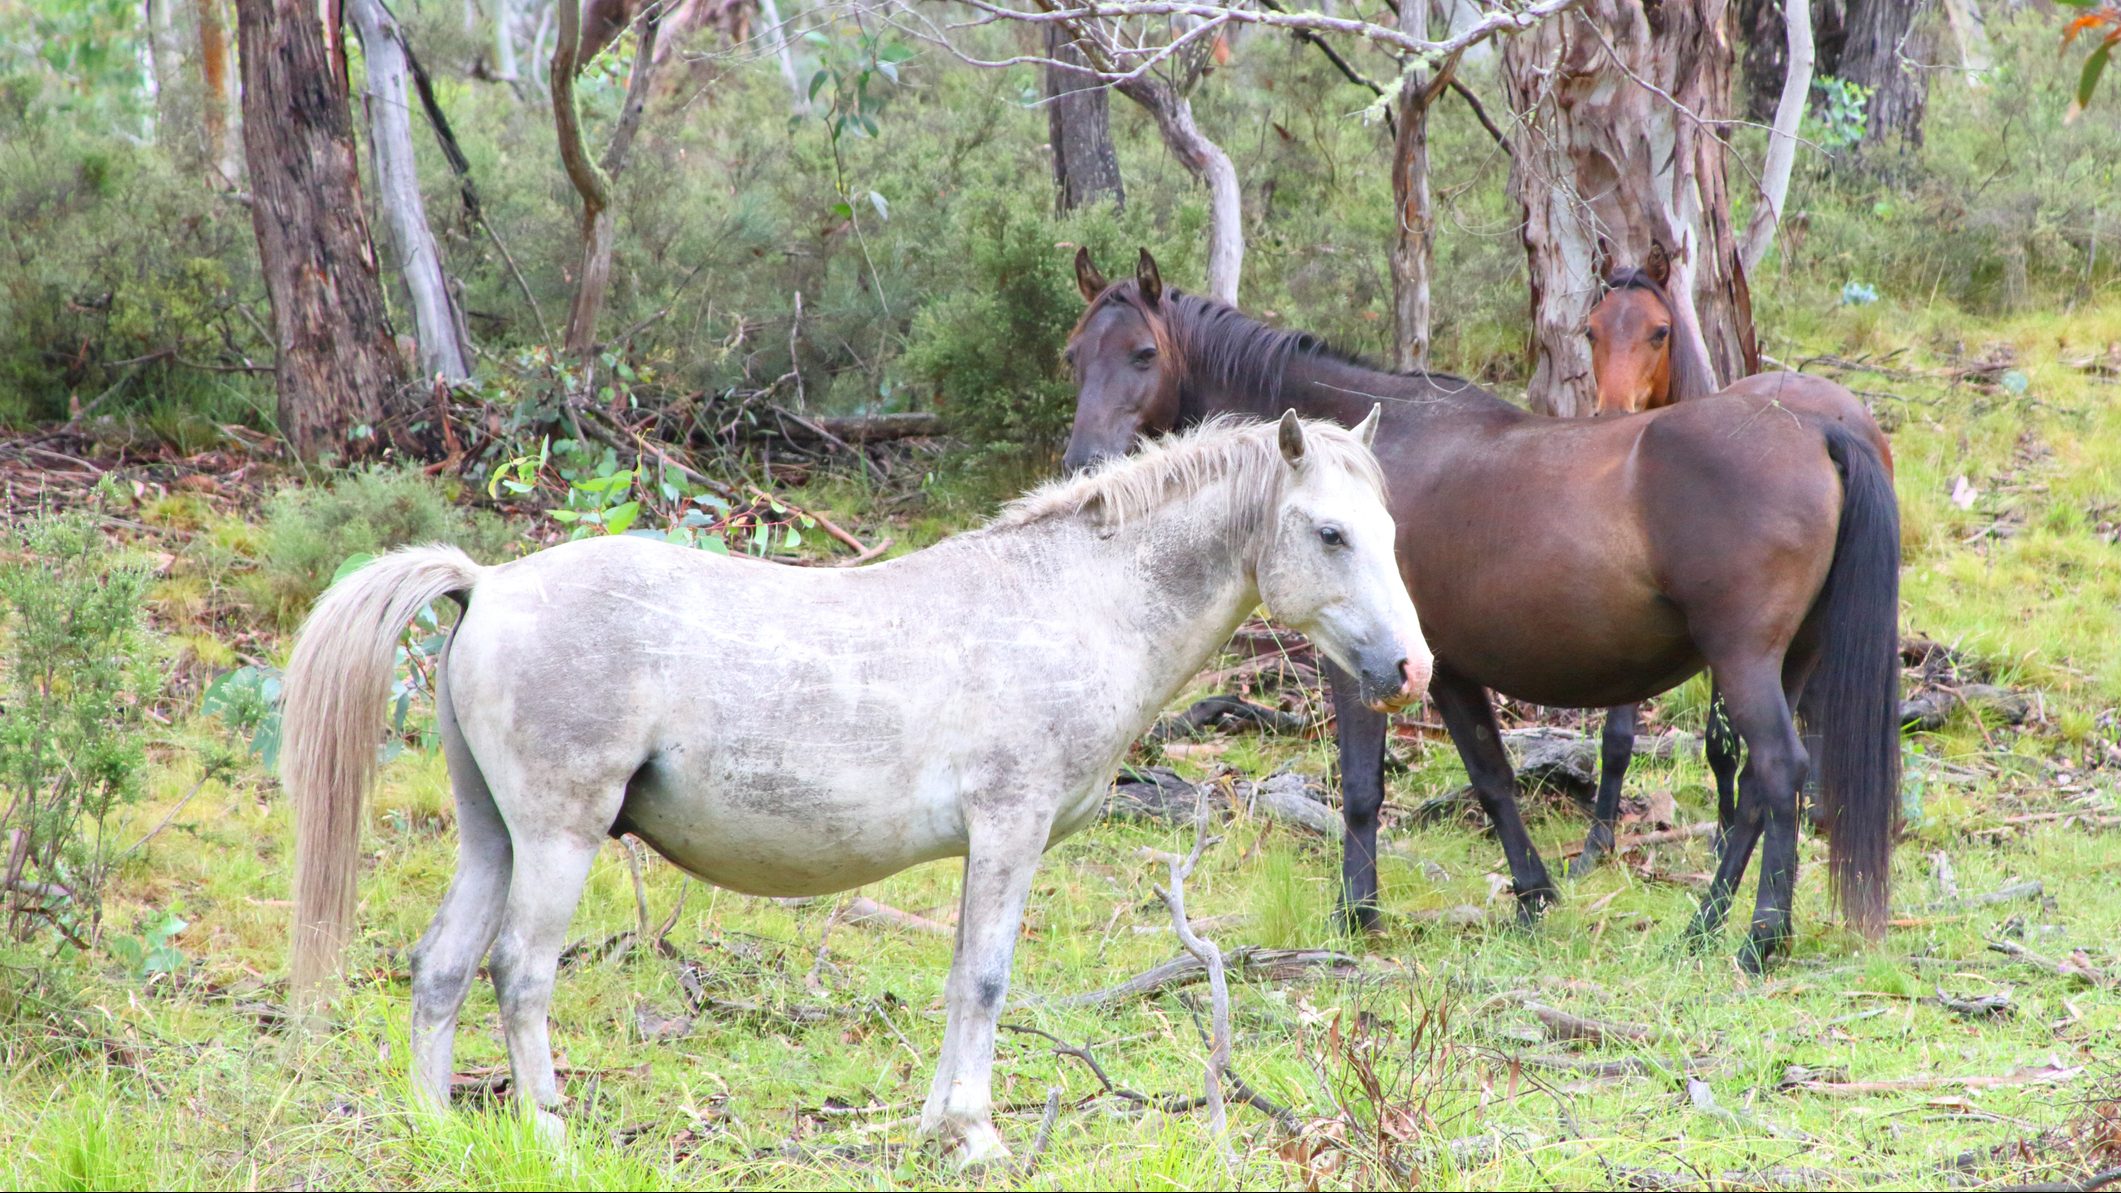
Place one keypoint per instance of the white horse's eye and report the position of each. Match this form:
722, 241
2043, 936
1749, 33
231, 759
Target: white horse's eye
1332, 537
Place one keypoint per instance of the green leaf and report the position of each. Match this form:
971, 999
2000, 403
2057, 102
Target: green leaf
2094, 66
794, 539
713, 544
843, 211
353, 563
888, 69
619, 517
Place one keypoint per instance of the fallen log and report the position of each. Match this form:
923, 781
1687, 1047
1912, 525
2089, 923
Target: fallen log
1931, 709
867, 428
1247, 962
1228, 713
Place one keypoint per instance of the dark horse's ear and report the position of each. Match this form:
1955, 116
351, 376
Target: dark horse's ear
1152, 283
1658, 265
1087, 279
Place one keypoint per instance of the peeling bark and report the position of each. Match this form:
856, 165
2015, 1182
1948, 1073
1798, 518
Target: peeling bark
1414, 234
338, 368
1604, 157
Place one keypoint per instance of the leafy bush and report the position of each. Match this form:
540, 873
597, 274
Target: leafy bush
77, 685
310, 531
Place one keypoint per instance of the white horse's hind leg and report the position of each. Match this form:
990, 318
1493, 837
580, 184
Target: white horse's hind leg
1003, 856
447, 958
549, 873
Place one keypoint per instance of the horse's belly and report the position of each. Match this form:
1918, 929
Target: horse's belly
786, 835
1583, 664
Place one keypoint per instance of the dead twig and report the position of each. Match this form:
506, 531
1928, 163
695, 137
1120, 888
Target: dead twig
1561, 1025
1211, 957
2078, 966
1245, 961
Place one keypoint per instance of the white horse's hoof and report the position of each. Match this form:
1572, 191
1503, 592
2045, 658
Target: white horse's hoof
551, 1129
978, 1146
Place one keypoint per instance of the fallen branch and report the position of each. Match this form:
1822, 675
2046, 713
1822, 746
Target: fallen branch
1229, 713
1561, 1025
2082, 970
2030, 1075
869, 913
1211, 958
2031, 889
1667, 836
845, 430
1167, 1103
824, 522
1246, 962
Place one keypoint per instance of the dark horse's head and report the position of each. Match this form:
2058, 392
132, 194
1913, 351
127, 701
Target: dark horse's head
1128, 372
1641, 353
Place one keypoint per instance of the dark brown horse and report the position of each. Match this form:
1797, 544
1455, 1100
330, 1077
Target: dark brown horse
1581, 564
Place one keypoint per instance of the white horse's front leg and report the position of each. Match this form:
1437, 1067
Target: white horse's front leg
1004, 854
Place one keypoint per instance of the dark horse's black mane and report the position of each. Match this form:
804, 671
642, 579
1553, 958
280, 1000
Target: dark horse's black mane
1222, 346
1691, 376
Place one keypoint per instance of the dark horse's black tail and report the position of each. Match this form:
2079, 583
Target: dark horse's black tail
1853, 698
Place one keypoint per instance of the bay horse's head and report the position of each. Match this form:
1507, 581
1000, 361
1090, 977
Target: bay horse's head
1631, 334
1127, 368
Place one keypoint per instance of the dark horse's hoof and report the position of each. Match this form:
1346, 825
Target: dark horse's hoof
1532, 902
1585, 862
1763, 946
1358, 919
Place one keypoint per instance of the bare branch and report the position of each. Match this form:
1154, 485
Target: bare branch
1174, 897
1501, 21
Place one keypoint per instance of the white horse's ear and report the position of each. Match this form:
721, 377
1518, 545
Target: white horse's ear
1366, 431
1292, 437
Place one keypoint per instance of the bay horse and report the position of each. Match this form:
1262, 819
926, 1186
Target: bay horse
1646, 355
789, 731
1579, 564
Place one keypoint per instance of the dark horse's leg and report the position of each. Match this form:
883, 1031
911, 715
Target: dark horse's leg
1362, 797
1722, 750
1470, 716
1616, 749
1759, 695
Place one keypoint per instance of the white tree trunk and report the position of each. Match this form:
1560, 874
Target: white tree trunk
504, 41
166, 50
1207, 162
777, 37
1782, 142
1971, 33
383, 94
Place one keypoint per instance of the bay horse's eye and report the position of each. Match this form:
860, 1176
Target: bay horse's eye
1590, 334
1332, 537
1142, 357
1660, 335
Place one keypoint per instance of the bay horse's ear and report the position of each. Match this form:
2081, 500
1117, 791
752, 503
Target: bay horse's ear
1087, 279
1145, 275
1658, 265
1292, 437
1366, 430
1602, 261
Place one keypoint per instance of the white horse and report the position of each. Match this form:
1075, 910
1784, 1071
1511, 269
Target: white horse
788, 731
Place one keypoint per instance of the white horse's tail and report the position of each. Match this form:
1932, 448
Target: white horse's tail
336, 686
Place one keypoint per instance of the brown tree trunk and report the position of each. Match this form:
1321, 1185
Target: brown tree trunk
1884, 44
1413, 237
1079, 123
338, 366
1757, 25
1604, 157
592, 180
219, 101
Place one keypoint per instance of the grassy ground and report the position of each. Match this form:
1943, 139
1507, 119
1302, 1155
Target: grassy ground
1426, 1068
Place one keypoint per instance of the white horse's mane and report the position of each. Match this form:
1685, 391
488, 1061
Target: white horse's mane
1226, 449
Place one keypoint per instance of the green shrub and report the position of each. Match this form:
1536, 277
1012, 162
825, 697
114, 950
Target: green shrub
310, 531
77, 686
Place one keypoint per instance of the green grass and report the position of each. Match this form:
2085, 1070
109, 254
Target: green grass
112, 1081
